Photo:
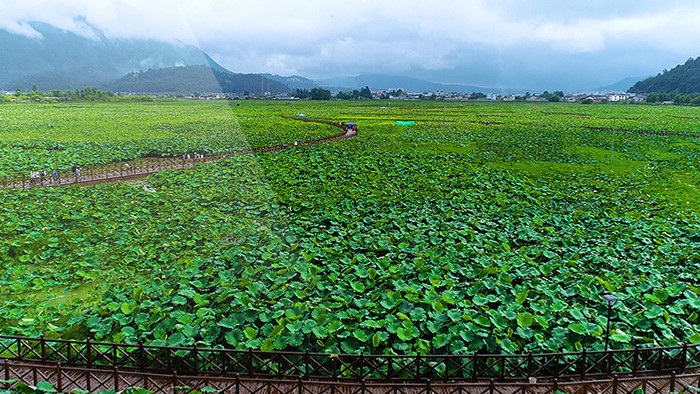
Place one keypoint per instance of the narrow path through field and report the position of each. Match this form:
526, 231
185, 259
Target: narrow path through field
134, 169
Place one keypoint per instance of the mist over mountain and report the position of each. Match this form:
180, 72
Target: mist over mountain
620, 86
64, 60
408, 84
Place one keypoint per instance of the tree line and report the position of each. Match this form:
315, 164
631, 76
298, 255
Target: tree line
86, 94
325, 94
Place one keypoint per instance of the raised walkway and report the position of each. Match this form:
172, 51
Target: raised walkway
116, 172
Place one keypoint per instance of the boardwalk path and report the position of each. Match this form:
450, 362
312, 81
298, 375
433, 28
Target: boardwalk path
116, 172
67, 379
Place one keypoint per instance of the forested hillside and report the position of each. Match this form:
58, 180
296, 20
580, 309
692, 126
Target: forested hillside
682, 79
195, 79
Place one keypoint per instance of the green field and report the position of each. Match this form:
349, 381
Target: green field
44, 137
490, 227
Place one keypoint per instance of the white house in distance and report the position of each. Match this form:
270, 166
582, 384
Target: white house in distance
618, 97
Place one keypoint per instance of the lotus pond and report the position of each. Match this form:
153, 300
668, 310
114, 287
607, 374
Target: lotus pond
489, 227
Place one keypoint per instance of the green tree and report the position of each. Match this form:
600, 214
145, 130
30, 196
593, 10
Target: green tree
320, 94
366, 93
302, 93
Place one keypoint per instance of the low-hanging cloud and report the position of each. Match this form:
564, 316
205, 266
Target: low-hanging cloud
318, 38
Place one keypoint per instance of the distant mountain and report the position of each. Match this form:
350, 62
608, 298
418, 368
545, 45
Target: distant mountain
620, 86
682, 79
294, 81
195, 79
64, 60
408, 84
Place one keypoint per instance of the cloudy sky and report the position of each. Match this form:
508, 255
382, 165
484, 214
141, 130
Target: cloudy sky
538, 44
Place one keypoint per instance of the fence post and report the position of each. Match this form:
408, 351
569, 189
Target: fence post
389, 371
250, 362
196, 360
475, 371
43, 348
224, 366
116, 379
673, 382
418, 373
491, 386
307, 361
142, 357
334, 357
362, 385
428, 390
299, 385
362, 364
238, 383
503, 367
635, 360
115, 359
556, 385
89, 353
614, 391
684, 351
19, 348
87, 377
583, 364
6, 367
59, 378
174, 382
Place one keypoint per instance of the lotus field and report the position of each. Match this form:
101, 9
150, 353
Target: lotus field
482, 227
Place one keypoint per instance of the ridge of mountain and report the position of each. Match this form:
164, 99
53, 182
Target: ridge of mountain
196, 79
682, 79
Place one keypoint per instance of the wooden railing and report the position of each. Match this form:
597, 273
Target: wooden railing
279, 365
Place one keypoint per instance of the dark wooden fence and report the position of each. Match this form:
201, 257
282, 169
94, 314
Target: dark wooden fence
352, 367
144, 166
67, 379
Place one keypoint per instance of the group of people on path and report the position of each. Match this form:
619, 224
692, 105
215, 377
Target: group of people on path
195, 156
39, 177
36, 177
